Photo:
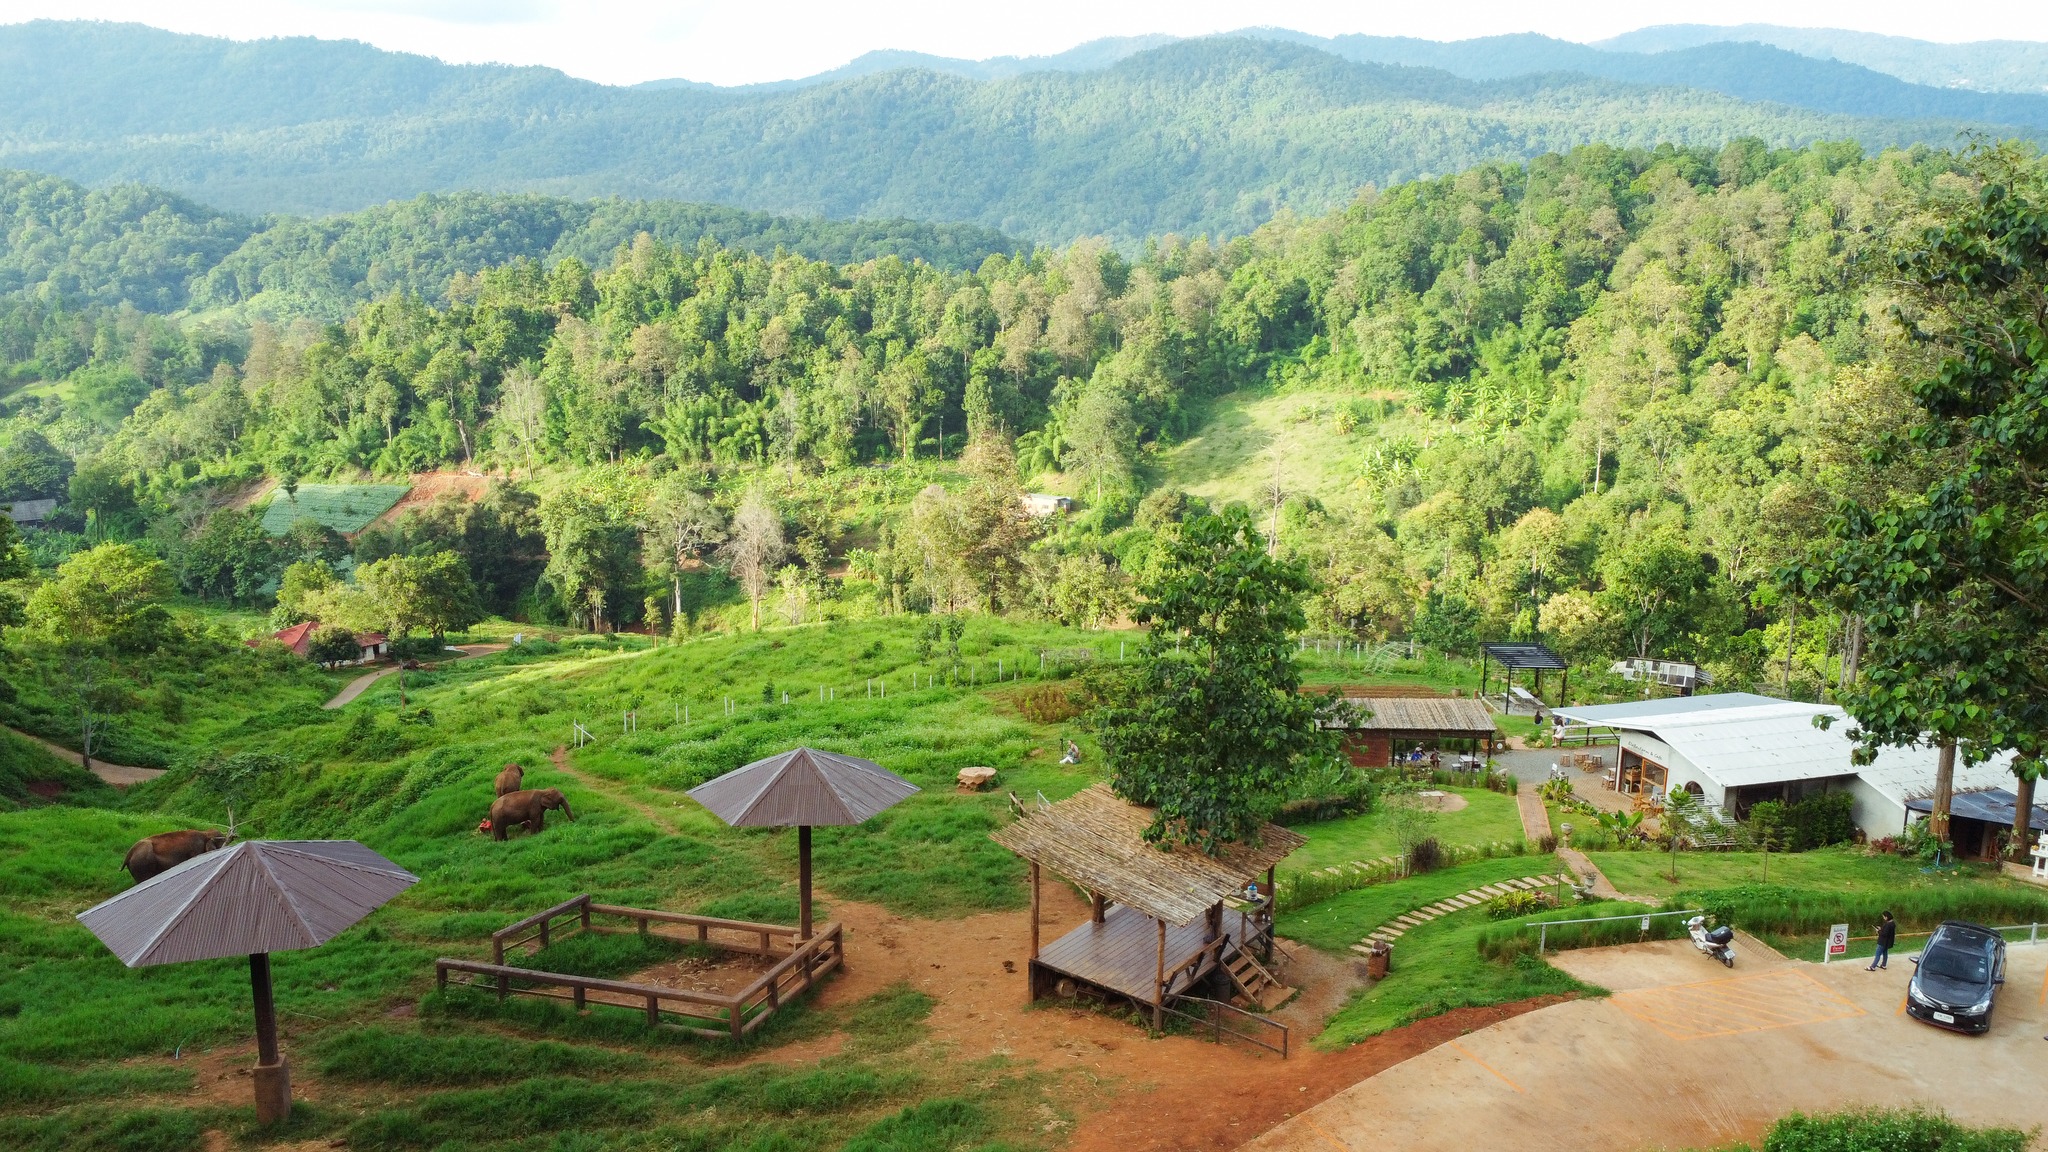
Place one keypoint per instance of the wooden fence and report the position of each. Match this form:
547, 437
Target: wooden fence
800, 964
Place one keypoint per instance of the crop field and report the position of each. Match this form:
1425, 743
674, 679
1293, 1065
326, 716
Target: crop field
342, 507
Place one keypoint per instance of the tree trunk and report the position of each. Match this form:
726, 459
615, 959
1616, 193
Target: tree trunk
2023, 814
1944, 790
1791, 636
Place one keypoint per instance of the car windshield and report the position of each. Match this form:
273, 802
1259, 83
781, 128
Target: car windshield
1954, 964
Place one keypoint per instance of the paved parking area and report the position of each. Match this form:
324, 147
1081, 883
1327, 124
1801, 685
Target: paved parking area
1688, 1054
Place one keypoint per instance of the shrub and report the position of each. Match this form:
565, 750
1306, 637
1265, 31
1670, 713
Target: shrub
1546, 843
1557, 791
1047, 704
1505, 942
1509, 905
1904, 1130
1426, 856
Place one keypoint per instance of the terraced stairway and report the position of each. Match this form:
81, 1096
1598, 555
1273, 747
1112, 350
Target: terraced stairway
1393, 929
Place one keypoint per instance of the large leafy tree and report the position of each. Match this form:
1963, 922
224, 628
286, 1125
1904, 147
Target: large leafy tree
1950, 575
1208, 725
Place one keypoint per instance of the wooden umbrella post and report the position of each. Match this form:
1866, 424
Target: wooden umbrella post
273, 1079
1034, 909
803, 881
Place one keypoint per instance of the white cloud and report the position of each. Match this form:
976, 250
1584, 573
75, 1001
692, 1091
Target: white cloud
624, 41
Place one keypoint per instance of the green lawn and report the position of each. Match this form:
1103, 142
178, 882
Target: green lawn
1343, 920
1488, 817
1436, 969
1846, 869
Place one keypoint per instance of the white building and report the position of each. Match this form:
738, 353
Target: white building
1046, 504
1734, 749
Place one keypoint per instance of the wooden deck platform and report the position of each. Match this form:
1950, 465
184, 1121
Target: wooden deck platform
1121, 954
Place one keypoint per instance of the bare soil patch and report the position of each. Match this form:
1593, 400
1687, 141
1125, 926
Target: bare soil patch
1131, 1093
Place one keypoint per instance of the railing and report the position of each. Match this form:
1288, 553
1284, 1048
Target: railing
2033, 937
1544, 926
1189, 966
1229, 1020
799, 964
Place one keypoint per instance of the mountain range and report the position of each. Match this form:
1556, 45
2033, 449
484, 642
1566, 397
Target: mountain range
1125, 138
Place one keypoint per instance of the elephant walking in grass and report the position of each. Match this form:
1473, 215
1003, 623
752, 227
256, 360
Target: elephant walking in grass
154, 855
510, 780
528, 807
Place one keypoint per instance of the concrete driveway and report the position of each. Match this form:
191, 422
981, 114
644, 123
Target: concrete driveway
1687, 1054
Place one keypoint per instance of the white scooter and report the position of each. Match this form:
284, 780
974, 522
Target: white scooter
1718, 942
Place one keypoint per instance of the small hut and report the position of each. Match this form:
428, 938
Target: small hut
1387, 728
1165, 924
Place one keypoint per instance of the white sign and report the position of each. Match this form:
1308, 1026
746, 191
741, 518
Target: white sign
1838, 939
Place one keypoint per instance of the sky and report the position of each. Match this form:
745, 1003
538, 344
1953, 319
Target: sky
728, 42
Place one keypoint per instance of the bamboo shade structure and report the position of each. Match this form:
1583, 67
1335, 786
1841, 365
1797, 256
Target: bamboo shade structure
1098, 841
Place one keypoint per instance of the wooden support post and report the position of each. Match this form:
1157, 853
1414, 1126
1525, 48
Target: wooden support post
578, 994
1159, 984
440, 978
1096, 906
803, 883
504, 987
654, 1011
583, 914
544, 933
497, 950
1034, 909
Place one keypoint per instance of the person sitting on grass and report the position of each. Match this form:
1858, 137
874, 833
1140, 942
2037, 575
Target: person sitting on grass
1073, 755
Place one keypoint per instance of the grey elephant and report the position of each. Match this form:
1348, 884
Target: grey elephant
510, 779
154, 855
528, 807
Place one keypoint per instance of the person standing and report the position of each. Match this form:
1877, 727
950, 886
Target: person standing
1887, 934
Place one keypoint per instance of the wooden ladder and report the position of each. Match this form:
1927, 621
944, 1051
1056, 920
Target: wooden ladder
1255, 985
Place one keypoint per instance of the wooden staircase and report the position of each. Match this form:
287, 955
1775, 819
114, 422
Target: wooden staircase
1257, 988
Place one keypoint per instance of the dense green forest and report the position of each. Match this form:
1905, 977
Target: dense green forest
1199, 136
1596, 397
140, 246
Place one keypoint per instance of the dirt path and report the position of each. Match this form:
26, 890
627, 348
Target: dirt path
1535, 817
1127, 1091
361, 684
119, 775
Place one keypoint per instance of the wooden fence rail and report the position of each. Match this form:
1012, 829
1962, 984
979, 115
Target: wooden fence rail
702, 1013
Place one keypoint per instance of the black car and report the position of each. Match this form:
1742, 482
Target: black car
1959, 973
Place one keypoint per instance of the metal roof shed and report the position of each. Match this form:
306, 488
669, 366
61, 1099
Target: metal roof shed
1517, 657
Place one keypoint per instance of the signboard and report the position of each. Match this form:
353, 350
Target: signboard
1838, 940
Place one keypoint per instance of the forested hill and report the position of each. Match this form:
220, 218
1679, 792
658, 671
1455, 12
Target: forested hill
1195, 136
160, 252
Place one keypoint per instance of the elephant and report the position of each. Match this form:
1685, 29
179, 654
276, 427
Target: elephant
153, 855
529, 808
509, 779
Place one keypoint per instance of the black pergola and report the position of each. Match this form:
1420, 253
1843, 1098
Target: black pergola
1518, 657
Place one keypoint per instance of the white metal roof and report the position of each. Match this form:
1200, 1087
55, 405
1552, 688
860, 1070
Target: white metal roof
1739, 739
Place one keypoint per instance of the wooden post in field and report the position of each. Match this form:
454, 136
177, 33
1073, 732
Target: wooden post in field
1034, 909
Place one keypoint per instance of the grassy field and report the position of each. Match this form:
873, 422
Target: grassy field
1232, 457
342, 507
412, 783
1488, 818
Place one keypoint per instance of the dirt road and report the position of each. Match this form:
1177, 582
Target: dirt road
119, 775
1688, 1055
361, 684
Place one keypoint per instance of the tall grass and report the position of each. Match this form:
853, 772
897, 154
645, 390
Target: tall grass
1787, 911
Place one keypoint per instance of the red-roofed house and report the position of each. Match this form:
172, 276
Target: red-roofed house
371, 646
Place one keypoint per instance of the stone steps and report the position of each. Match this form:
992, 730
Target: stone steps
1393, 929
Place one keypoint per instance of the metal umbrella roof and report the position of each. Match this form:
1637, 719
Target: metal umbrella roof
258, 896
803, 787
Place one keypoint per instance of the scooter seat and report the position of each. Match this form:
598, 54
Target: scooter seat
1721, 935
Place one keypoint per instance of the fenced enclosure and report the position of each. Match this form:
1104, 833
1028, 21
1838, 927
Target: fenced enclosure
799, 964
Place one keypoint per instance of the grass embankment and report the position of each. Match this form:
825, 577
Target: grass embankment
413, 788
1808, 891
1436, 966
1487, 818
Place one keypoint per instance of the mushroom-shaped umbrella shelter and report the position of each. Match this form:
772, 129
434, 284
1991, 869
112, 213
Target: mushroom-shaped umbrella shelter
803, 787
249, 899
